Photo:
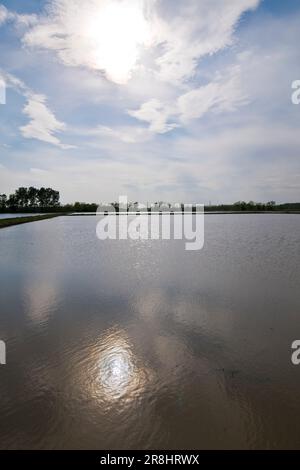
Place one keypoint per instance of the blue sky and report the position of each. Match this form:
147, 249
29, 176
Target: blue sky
137, 97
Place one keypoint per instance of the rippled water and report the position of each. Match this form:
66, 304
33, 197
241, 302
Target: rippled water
141, 344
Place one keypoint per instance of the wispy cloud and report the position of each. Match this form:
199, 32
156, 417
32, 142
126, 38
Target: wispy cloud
100, 35
156, 114
223, 94
25, 20
110, 35
42, 125
194, 30
3, 14
126, 134
196, 104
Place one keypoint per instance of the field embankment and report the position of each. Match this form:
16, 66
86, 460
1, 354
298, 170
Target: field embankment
24, 220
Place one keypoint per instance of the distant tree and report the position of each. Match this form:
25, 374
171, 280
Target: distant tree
3, 201
47, 198
32, 197
78, 206
42, 197
55, 198
271, 205
239, 206
12, 202
21, 197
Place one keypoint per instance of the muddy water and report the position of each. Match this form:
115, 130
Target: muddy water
141, 344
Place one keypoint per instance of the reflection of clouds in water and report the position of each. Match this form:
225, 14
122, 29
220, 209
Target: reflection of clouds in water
41, 298
197, 312
43, 256
203, 313
116, 373
149, 303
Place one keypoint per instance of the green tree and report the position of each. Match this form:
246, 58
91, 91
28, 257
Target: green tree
3, 201
21, 197
33, 197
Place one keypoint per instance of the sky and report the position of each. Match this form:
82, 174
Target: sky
171, 100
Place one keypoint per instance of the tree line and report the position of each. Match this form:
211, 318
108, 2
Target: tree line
240, 206
30, 199
251, 206
48, 200
40, 200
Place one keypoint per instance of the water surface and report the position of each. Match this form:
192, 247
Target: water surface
141, 344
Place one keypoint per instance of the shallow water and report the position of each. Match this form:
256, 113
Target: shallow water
141, 344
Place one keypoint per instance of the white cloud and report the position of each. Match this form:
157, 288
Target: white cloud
3, 14
156, 114
252, 153
126, 134
163, 43
222, 95
111, 35
2, 91
209, 169
102, 35
25, 20
43, 124
195, 29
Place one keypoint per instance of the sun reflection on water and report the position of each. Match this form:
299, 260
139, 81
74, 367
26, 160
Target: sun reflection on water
117, 373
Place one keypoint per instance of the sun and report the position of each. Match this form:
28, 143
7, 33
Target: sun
116, 31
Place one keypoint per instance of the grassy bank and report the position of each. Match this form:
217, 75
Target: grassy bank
24, 220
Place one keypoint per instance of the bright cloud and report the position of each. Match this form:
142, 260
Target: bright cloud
123, 37
111, 35
222, 95
43, 124
25, 20
192, 102
195, 29
156, 114
103, 35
